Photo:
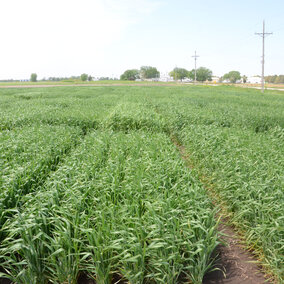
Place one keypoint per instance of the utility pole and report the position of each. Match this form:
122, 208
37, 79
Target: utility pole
195, 58
263, 34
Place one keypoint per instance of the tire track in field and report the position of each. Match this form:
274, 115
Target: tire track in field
235, 264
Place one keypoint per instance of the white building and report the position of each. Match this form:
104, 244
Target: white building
165, 77
215, 79
254, 80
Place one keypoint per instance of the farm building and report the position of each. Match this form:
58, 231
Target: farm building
254, 80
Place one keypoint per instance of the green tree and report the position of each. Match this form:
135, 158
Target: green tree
281, 79
33, 77
130, 75
90, 78
270, 78
232, 76
245, 78
84, 77
149, 72
273, 79
191, 74
179, 73
202, 74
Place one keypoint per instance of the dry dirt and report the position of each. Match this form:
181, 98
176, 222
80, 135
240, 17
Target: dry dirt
235, 263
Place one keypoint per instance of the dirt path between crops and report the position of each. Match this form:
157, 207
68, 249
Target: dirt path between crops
236, 265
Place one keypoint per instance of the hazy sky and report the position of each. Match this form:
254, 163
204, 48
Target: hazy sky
106, 37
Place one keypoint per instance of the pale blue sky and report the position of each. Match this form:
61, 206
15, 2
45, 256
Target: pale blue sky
105, 37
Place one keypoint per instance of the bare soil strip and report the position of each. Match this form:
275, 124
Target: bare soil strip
235, 264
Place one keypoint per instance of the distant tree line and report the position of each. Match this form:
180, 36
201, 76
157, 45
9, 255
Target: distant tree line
145, 72
56, 79
130, 75
149, 72
106, 78
202, 74
275, 79
82, 77
232, 76
9, 80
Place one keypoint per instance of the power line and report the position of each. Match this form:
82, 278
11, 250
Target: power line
195, 58
263, 35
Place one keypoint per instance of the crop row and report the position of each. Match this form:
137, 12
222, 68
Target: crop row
27, 156
247, 172
241, 151
222, 107
74, 107
120, 206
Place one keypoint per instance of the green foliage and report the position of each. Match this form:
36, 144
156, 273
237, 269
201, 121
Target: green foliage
92, 183
235, 138
179, 73
275, 79
38, 150
90, 78
130, 75
84, 77
232, 76
202, 74
33, 77
135, 209
191, 74
149, 72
